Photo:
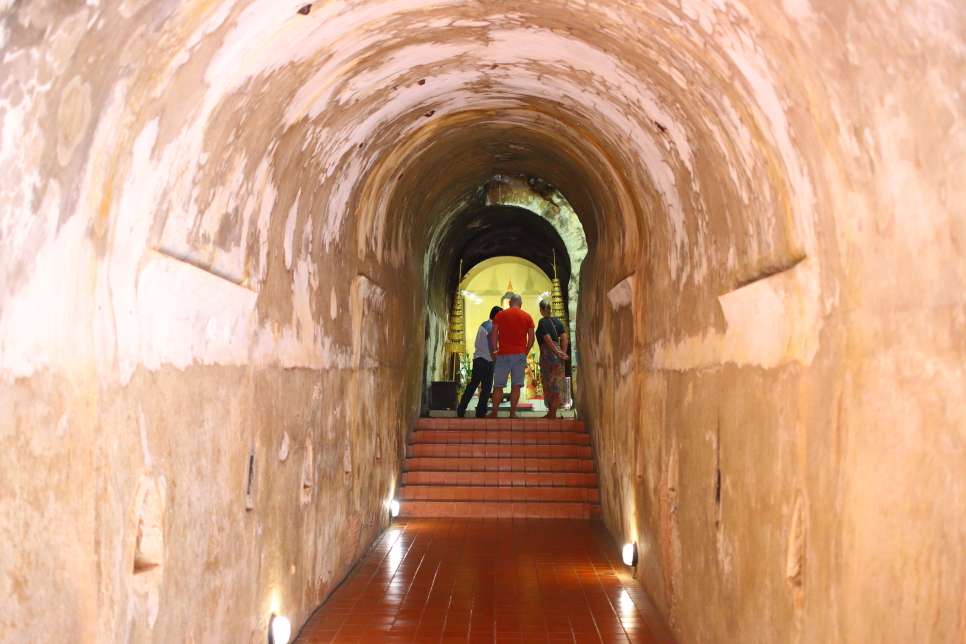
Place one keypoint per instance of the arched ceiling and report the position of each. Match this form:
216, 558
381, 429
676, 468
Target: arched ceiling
494, 231
687, 137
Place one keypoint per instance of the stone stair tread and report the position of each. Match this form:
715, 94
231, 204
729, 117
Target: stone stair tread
486, 437
498, 493
499, 468
443, 464
502, 424
491, 479
497, 451
494, 510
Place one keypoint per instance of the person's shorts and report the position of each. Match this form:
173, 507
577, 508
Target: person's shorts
514, 364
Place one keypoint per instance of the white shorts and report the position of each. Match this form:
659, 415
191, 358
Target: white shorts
513, 364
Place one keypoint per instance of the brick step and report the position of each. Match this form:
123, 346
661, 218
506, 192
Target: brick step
515, 494
497, 451
502, 424
485, 437
439, 464
493, 510
495, 479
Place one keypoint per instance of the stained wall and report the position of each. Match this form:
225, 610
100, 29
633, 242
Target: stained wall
220, 237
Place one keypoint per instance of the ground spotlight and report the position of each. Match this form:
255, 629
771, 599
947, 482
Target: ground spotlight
279, 630
394, 508
629, 554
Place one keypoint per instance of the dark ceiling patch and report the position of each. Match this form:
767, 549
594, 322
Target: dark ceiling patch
494, 231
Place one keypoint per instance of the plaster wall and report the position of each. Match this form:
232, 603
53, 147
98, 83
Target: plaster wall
219, 238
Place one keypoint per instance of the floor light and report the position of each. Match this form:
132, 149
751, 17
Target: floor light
629, 554
394, 508
279, 629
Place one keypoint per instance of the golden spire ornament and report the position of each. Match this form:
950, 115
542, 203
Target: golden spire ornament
557, 308
456, 340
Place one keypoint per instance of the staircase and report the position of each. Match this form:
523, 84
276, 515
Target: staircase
499, 468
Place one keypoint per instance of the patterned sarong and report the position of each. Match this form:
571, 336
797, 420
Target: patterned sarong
552, 373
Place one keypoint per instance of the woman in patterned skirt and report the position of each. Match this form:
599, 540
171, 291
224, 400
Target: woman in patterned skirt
553, 340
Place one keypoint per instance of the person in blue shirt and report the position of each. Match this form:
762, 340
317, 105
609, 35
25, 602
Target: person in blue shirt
482, 369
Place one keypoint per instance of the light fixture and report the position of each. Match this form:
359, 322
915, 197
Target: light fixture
629, 554
279, 630
394, 508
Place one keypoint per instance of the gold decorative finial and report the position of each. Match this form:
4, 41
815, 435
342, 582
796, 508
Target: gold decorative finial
557, 308
456, 342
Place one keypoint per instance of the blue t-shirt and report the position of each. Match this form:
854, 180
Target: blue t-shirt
483, 340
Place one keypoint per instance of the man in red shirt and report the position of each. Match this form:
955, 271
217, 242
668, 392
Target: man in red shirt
513, 338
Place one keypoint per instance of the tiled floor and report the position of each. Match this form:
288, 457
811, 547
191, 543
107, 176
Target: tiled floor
475, 581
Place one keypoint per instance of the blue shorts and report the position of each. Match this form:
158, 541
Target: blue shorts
513, 364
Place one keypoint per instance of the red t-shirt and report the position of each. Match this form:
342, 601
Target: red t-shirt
513, 330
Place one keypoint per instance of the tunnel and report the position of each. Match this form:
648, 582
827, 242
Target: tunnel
230, 237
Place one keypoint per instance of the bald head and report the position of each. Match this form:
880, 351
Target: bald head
516, 301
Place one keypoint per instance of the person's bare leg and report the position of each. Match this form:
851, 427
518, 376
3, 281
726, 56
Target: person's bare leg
514, 399
551, 411
497, 399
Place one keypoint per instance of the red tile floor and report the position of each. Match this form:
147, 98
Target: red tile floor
512, 581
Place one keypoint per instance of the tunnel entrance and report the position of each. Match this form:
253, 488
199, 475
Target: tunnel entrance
489, 284
497, 249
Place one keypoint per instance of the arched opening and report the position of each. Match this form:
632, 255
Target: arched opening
485, 286
514, 242
514, 237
